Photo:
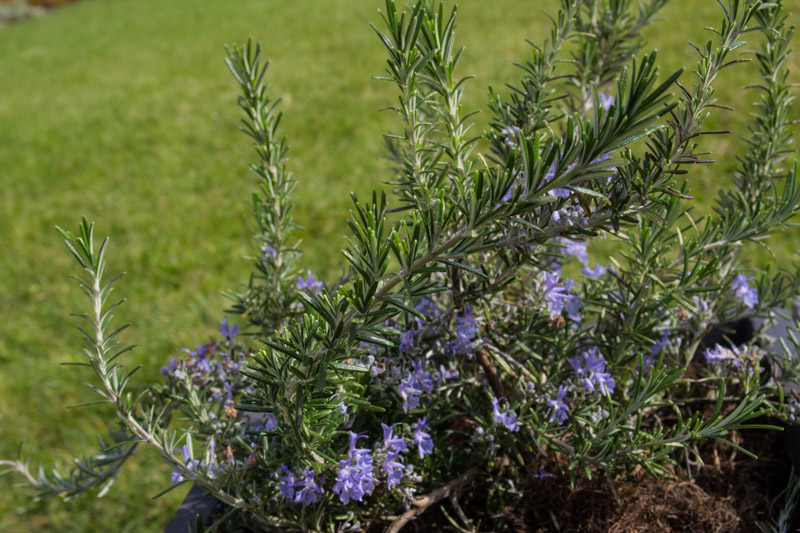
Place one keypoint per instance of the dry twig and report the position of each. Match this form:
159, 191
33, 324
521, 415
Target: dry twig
421, 503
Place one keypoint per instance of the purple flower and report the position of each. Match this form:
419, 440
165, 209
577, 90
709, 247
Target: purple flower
310, 284
427, 307
272, 422
227, 331
268, 252
575, 249
541, 475
394, 468
507, 419
202, 351
191, 465
649, 359
212, 457
354, 478
741, 288
589, 368
466, 323
169, 369
559, 408
407, 341
498, 416
466, 329
459, 346
721, 354
409, 393
423, 377
606, 156
375, 368
354, 481
390, 442
606, 100
421, 439
596, 272
415, 383
308, 488
287, 482
443, 374
348, 483
554, 293
510, 421
203, 366
352, 450
738, 356
573, 302
717, 354
551, 173
509, 194
660, 344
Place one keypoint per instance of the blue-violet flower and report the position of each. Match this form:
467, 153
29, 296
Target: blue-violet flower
422, 439
559, 408
589, 368
742, 290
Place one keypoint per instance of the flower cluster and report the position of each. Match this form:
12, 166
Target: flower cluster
393, 462
589, 369
421, 439
298, 488
309, 283
508, 419
212, 367
575, 248
191, 466
558, 296
354, 479
558, 407
466, 328
417, 382
744, 293
745, 358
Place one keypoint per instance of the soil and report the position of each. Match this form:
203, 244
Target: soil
730, 493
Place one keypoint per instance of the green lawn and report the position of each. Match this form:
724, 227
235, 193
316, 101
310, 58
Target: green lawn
123, 111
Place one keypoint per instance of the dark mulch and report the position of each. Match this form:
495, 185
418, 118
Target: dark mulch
730, 493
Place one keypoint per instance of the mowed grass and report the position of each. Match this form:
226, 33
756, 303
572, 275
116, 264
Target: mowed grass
124, 112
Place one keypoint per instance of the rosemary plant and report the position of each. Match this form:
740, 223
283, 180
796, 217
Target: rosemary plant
456, 347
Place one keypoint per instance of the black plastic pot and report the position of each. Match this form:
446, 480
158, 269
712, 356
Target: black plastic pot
197, 509
791, 433
741, 331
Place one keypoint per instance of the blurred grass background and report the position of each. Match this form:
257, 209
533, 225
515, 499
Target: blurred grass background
123, 111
